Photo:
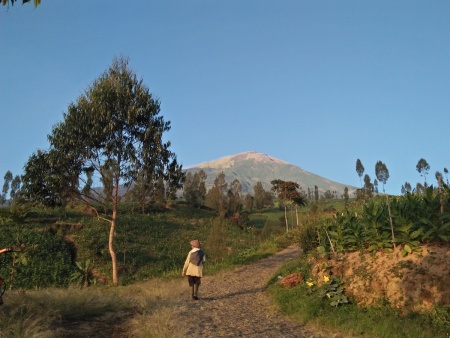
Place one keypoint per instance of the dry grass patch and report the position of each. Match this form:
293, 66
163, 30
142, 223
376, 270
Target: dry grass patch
161, 323
141, 310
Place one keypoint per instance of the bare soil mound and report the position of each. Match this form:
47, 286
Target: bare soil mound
415, 282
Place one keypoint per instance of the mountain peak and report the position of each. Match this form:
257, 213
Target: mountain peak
251, 167
230, 161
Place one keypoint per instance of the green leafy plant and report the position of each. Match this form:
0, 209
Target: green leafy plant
83, 275
408, 238
334, 291
439, 230
312, 287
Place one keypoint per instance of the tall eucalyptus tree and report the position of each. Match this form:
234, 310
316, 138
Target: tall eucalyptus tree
112, 135
423, 167
382, 173
217, 198
359, 170
6, 183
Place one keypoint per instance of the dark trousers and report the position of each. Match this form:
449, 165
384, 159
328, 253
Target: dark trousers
194, 280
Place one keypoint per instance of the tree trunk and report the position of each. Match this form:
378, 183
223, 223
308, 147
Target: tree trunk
285, 218
111, 249
390, 219
292, 217
112, 230
441, 194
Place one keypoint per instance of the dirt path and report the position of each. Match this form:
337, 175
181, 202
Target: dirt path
234, 304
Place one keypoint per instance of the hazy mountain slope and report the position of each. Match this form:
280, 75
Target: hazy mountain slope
252, 167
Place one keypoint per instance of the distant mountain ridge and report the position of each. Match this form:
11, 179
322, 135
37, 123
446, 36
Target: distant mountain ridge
251, 167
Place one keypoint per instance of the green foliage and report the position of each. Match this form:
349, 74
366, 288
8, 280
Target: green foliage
307, 235
217, 241
244, 219
194, 189
44, 259
381, 172
416, 219
113, 132
83, 275
250, 255
309, 304
64, 246
359, 169
268, 228
333, 290
258, 199
408, 238
217, 198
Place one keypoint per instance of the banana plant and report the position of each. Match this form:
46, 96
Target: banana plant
84, 274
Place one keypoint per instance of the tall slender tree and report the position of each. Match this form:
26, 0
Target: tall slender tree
375, 186
276, 189
368, 186
440, 190
408, 187
248, 202
194, 189
15, 187
216, 197
235, 202
423, 167
113, 130
382, 174
6, 185
359, 170
289, 195
346, 196
174, 178
420, 189
258, 199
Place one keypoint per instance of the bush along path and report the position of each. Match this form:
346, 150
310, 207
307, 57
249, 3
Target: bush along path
234, 304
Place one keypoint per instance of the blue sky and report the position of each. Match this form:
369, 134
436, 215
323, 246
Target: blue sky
317, 83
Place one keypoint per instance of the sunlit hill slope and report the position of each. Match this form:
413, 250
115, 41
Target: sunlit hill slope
252, 167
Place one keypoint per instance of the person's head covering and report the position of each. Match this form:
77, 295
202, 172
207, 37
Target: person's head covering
195, 243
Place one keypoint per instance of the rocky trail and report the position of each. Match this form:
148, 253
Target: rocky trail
234, 304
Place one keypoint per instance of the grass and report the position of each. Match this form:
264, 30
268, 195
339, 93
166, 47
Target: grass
157, 244
308, 306
143, 309
148, 309
160, 324
144, 304
147, 246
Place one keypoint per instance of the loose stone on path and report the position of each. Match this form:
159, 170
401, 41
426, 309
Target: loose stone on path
234, 304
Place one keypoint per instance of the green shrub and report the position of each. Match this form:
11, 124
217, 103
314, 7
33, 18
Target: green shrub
310, 305
44, 260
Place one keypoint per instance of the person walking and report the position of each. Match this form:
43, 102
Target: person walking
193, 267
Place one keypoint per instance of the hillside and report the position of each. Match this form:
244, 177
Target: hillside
252, 167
